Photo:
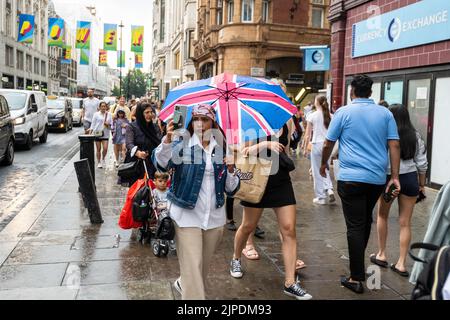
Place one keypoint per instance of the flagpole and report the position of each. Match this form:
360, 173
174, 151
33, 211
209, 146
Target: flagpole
120, 59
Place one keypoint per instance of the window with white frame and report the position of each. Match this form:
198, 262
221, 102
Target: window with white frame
219, 12
247, 10
230, 11
265, 10
9, 57
317, 17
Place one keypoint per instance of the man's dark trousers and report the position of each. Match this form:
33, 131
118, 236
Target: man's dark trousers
358, 200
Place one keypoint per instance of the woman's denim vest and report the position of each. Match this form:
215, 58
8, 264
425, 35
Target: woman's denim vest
187, 168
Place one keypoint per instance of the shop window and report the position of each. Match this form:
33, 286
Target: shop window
393, 92
219, 17
418, 104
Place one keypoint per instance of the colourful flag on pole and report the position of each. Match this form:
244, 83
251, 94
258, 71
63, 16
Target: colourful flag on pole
56, 32
102, 58
66, 55
110, 37
137, 38
84, 57
26, 28
121, 59
138, 60
83, 35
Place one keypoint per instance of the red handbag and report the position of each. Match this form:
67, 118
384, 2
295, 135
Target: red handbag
126, 216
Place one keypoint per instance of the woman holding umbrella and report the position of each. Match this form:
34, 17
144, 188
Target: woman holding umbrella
200, 180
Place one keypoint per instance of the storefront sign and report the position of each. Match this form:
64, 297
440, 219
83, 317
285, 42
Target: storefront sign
316, 59
257, 72
426, 21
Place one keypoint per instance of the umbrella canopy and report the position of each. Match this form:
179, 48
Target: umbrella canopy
247, 108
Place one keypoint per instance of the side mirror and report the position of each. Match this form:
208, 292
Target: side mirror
34, 107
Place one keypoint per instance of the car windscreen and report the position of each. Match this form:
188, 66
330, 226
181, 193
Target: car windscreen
55, 104
16, 100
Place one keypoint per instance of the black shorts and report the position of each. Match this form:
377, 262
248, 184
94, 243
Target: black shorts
409, 183
101, 139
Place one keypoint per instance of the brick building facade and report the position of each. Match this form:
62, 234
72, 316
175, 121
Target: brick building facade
415, 76
261, 38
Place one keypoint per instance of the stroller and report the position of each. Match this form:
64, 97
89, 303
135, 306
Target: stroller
157, 227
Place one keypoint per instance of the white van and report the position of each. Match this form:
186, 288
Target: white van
29, 112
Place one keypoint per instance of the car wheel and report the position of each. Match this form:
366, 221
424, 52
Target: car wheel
9, 155
43, 138
29, 142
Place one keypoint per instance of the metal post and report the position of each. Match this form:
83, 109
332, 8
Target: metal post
87, 152
87, 189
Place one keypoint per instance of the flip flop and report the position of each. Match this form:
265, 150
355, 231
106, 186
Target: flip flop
402, 273
378, 262
250, 253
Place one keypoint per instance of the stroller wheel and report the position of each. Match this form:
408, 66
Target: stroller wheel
156, 247
165, 248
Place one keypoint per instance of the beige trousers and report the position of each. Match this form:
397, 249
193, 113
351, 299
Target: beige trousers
195, 249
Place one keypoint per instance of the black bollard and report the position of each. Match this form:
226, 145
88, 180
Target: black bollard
87, 189
87, 152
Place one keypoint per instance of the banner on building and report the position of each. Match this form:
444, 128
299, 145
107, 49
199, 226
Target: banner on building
103, 58
26, 28
55, 32
84, 57
121, 59
110, 37
66, 54
83, 35
138, 60
137, 38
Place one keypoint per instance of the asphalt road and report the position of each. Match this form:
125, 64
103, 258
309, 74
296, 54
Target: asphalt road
16, 181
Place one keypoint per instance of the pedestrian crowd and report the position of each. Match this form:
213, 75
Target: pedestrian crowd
377, 154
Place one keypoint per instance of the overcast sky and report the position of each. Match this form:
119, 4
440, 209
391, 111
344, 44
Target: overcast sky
131, 12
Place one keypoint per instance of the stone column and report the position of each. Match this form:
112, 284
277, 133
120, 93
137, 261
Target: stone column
337, 62
237, 11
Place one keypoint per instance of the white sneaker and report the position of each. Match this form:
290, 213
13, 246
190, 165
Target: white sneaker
100, 165
236, 268
319, 201
331, 196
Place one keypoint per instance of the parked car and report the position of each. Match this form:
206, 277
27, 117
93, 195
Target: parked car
77, 105
28, 110
6, 134
59, 113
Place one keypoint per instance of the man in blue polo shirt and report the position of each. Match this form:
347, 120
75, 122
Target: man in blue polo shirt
366, 131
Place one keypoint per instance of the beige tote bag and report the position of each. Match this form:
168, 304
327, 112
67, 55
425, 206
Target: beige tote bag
254, 173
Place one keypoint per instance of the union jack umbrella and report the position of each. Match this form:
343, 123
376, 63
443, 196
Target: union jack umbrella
246, 108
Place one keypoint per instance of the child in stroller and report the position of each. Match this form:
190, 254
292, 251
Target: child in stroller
148, 231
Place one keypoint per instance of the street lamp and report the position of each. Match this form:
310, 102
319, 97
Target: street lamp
120, 59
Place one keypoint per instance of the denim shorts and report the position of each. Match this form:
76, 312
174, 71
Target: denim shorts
409, 183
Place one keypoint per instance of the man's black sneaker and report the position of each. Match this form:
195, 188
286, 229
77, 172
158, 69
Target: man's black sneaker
297, 292
356, 287
231, 225
259, 233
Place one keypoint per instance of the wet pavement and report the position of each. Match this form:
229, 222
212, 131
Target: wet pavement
49, 250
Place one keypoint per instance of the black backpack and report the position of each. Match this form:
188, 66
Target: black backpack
142, 204
431, 280
165, 229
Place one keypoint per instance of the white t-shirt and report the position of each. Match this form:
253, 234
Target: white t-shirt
90, 107
97, 123
319, 130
